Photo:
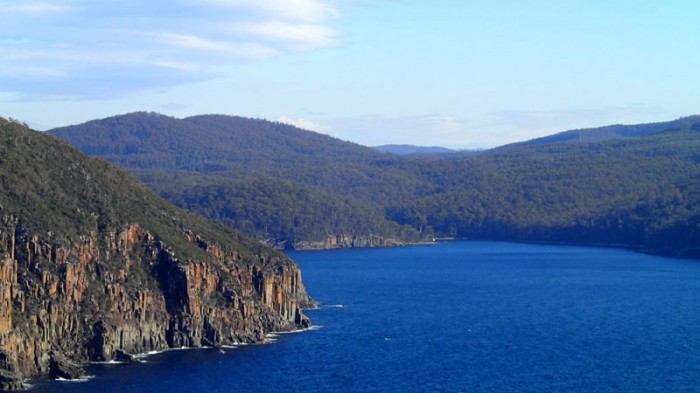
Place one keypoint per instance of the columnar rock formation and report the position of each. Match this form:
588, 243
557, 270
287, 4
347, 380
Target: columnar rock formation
93, 266
99, 297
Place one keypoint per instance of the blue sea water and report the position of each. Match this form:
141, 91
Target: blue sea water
459, 317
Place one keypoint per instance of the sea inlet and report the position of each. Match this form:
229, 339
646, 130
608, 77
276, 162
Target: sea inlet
458, 317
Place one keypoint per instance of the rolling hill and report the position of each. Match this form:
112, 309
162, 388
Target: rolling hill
634, 186
322, 183
611, 132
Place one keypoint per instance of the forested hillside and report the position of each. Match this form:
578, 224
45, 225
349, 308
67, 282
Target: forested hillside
641, 192
618, 131
635, 186
277, 211
279, 183
94, 266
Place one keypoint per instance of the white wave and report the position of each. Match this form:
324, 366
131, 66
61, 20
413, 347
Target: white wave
334, 306
83, 379
313, 327
149, 353
109, 362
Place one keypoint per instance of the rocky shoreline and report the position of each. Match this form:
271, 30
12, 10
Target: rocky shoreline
332, 242
75, 372
63, 305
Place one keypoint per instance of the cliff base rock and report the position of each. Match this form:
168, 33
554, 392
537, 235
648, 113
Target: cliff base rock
61, 367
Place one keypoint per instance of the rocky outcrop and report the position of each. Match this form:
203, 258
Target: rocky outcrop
124, 357
10, 380
10, 377
347, 241
111, 293
61, 367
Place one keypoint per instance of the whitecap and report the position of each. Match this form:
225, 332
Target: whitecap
83, 379
109, 361
149, 353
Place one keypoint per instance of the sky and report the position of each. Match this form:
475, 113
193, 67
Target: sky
456, 73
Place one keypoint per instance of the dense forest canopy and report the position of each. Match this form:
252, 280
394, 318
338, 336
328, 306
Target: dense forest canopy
635, 186
54, 188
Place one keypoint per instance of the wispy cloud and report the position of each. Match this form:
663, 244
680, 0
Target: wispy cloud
118, 80
303, 10
32, 7
219, 48
36, 71
306, 124
110, 49
292, 35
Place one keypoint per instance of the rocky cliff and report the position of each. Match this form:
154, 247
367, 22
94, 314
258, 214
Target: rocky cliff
345, 241
87, 302
113, 270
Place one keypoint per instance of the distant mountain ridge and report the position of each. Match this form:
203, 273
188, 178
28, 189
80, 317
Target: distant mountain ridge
617, 131
132, 139
626, 185
403, 150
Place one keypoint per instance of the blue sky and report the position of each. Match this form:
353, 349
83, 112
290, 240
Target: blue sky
462, 74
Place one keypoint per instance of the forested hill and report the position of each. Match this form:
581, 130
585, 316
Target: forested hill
611, 132
94, 266
641, 192
639, 189
287, 186
209, 143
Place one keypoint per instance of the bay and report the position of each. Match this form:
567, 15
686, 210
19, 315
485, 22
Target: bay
458, 317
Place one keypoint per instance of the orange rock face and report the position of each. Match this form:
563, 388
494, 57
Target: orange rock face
91, 297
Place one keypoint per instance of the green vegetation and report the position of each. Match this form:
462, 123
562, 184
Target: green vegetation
56, 191
274, 210
271, 180
627, 185
613, 132
621, 192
